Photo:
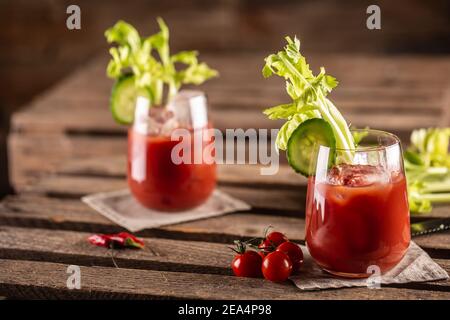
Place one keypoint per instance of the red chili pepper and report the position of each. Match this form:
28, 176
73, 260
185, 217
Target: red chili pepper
99, 240
116, 241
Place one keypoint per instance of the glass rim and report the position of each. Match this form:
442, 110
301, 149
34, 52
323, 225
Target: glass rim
395, 141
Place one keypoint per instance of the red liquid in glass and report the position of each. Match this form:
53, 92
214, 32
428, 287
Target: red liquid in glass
353, 223
158, 183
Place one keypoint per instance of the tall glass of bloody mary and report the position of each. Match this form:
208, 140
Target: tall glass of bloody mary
357, 215
156, 176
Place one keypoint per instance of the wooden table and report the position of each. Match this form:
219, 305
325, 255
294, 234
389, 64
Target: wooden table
65, 145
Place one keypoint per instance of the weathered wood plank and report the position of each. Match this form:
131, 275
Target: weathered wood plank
236, 174
41, 212
73, 248
76, 187
38, 154
53, 213
445, 121
251, 96
32, 279
261, 94
267, 196
100, 120
353, 70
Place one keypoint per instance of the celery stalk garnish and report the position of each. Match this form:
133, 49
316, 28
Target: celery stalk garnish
427, 165
309, 97
151, 71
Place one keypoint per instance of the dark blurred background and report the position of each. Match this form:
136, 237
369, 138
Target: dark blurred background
37, 49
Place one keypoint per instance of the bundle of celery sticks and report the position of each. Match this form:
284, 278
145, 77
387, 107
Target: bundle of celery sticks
427, 165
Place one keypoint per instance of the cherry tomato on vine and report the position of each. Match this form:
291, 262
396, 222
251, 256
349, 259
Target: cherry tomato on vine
276, 238
266, 246
247, 263
277, 266
271, 241
294, 252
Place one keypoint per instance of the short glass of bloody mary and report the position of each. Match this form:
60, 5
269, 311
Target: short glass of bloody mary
156, 176
357, 215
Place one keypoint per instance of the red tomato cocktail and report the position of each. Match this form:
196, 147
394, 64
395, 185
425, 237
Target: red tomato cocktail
158, 183
358, 218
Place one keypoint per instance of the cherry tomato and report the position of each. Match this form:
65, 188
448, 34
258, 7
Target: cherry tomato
276, 238
266, 246
272, 241
294, 253
277, 266
247, 264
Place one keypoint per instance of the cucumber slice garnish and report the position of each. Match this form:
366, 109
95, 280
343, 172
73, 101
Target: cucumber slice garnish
303, 145
123, 99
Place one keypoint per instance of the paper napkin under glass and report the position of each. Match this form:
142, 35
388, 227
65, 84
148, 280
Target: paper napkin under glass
416, 266
121, 208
